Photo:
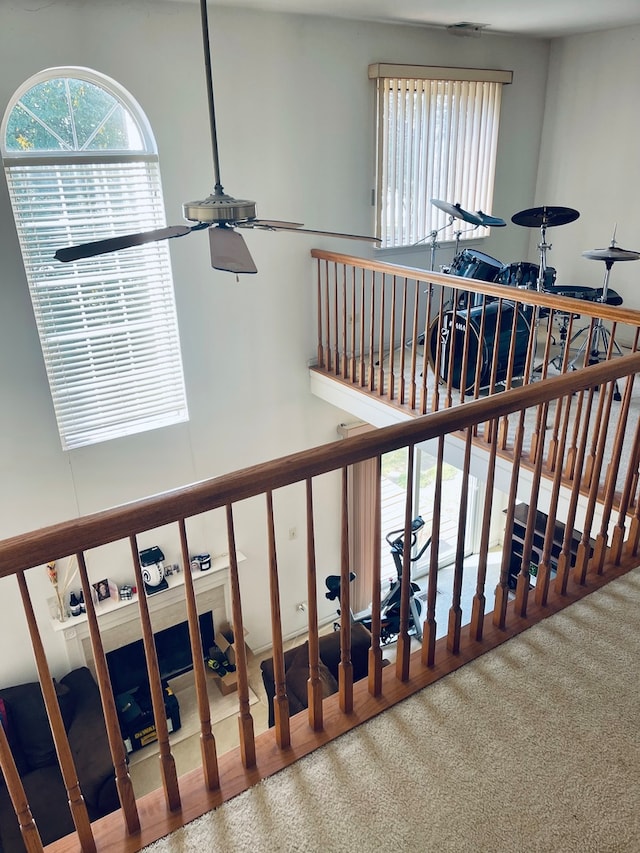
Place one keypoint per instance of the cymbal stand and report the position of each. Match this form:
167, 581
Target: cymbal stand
543, 246
601, 336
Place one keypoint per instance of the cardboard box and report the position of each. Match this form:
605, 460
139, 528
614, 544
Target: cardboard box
225, 641
226, 685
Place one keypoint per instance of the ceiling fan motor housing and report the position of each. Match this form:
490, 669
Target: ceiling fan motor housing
219, 208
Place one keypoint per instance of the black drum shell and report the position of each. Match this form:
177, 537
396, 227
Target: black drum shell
471, 319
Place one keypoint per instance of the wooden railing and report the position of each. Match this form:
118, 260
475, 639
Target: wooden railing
424, 341
607, 516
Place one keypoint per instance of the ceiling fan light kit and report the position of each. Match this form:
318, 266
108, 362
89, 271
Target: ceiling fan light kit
219, 213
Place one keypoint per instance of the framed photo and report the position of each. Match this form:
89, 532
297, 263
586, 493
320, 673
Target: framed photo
102, 590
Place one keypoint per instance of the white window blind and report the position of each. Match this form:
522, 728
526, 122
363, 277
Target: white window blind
107, 325
437, 139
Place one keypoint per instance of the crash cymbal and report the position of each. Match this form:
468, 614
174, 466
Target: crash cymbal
456, 211
611, 253
490, 221
536, 217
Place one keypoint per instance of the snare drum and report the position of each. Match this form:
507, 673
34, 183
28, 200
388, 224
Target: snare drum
524, 274
479, 349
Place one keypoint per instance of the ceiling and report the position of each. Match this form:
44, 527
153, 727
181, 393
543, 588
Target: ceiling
540, 18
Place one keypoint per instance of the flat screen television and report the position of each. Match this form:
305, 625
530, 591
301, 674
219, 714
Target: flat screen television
127, 665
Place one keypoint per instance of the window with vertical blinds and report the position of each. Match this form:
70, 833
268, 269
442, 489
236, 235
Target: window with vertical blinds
437, 136
81, 165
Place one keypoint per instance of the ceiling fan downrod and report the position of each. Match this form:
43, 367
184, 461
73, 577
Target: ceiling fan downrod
219, 189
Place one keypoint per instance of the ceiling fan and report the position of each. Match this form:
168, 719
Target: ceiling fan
220, 213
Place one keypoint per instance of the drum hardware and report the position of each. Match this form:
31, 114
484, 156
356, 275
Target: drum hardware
543, 217
600, 338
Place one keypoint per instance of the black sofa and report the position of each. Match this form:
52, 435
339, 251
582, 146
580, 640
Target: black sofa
296, 664
31, 742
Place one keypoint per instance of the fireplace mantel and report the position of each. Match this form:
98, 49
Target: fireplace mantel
119, 621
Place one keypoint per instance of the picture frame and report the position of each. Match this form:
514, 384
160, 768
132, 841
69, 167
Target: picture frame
104, 590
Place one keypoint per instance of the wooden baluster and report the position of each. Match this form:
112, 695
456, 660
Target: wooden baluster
207, 741
570, 463
280, 701
320, 347
391, 368
478, 368
631, 545
503, 431
502, 588
437, 366
67, 768
584, 552
544, 569
314, 685
372, 326
362, 368
532, 346
479, 599
449, 353
15, 789
353, 375
455, 611
426, 346
381, 337
414, 345
345, 667
167, 761
522, 583
345, 326
464, 366
375, 651
608, 496
336, 323
564, 560
404, 641
124, 786
552, 453
430, 626
327, 314
403, 339
245, 720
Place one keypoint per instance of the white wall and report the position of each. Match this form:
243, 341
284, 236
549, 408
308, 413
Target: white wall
296, 117
589, 156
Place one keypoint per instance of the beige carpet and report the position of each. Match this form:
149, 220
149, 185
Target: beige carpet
533, 747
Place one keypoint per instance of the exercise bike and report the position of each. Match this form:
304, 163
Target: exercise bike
390, 604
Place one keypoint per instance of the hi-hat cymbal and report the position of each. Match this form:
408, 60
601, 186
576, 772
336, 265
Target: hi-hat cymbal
536, 217
612, 254
456, 211
490, 221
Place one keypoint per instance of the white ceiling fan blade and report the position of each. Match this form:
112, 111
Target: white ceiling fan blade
229, 251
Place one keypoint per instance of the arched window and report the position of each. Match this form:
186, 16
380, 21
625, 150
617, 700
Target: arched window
81, 165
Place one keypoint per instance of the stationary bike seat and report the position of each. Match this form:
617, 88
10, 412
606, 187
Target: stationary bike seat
333, 585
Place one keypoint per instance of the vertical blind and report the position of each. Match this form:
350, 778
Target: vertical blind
437, 139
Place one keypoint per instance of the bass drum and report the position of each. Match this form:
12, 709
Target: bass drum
470, 321
524, 274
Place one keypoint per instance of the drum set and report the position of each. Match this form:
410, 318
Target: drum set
464, 320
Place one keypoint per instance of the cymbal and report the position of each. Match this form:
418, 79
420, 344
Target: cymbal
612, 254
456, 211
488, 220
536, 217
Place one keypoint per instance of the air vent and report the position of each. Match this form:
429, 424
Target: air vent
466, 29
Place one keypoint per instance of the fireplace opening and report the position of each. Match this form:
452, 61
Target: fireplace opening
127, 665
